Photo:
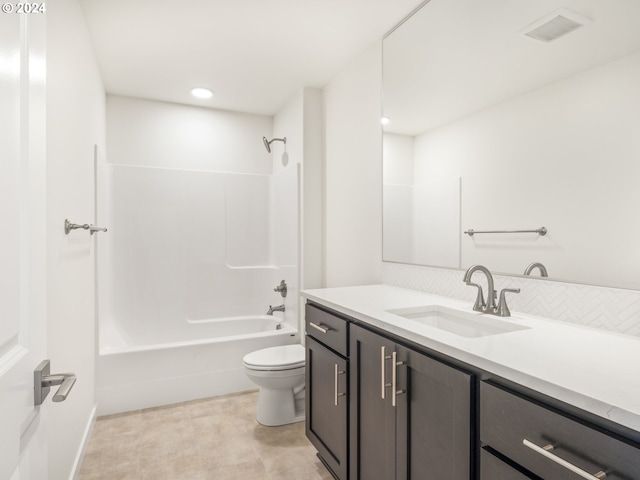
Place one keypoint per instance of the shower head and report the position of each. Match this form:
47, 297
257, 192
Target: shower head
267, 143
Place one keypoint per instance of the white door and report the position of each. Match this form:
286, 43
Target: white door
22, 244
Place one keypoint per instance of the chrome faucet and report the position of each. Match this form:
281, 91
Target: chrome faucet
480, 305
501, 310
279, 308
539, 266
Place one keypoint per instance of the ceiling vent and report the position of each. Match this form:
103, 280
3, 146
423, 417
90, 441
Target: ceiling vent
555, 25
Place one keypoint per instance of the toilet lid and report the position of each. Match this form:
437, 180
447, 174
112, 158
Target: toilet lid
285, 357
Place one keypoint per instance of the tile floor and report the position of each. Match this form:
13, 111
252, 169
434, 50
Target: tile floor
215, 438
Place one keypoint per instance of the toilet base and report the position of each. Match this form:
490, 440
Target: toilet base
279, 407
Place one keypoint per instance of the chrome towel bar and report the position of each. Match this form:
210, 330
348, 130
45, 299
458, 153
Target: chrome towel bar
68, 226
541, 231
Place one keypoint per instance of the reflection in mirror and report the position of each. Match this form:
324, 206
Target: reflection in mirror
421, 214
533, 107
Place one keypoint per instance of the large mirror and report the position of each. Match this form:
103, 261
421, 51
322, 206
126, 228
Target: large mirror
511, 115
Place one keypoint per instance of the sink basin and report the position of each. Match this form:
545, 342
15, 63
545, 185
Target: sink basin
458, 322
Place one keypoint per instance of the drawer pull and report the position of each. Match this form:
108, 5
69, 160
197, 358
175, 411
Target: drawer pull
320, 327
546, 452
336, 372
394, 379
383, 381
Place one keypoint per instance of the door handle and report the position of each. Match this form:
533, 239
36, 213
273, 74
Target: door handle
383, 381
336, 372
43, 381
394, 379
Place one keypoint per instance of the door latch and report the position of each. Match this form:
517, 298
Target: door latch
43, 381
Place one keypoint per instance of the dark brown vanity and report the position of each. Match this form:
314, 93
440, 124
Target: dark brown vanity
381, 407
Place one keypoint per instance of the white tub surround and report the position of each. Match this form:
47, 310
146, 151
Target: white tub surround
593, 370
186, 276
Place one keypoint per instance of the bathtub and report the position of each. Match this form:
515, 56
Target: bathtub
196, 359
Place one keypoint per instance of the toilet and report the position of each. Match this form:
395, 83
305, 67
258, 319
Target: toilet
279, 372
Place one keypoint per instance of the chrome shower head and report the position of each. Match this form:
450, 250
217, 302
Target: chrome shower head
267, 143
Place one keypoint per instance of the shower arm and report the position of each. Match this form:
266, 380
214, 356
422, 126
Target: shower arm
267, 143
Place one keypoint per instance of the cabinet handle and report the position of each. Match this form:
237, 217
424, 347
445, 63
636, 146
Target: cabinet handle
336, 372
394, 379
546, 452
319, 326
383, 380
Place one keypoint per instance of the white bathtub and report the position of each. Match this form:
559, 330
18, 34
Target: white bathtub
197, 359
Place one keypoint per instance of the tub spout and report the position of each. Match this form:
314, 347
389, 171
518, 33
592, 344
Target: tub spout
279, 308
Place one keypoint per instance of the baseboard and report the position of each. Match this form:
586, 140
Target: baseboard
77, 464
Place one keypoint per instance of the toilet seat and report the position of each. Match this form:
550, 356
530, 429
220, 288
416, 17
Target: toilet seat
285, 357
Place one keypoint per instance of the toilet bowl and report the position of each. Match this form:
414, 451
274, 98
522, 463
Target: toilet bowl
279, 372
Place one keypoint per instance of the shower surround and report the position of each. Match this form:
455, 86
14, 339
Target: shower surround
185, 277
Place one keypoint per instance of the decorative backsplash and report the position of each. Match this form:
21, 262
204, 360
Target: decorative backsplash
613, 309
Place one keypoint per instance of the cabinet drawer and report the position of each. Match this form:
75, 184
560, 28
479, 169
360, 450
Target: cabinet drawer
521, 429
492, 468
327, 329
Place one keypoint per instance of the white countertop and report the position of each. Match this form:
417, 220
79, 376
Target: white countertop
591, 369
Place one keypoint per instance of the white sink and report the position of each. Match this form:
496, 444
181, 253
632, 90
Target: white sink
458, 322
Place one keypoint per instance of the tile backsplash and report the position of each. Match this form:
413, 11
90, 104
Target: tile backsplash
612, 309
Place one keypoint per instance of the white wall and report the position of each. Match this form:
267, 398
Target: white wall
421, 215
312, 190
398, 154
160, 134
75, 122
300, 121
397, 214
353, 172
287, 163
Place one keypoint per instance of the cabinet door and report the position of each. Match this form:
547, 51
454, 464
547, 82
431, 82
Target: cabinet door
327, 405
433, 418
372, 432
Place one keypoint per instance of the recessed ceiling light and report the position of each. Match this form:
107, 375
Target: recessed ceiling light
201, 92
384, 120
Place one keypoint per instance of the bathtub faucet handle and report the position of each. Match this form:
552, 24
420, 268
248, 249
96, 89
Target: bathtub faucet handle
282, 288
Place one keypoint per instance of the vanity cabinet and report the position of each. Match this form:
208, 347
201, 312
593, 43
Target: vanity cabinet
414, 412
411, 415
545, 443
327, 371
491, 467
